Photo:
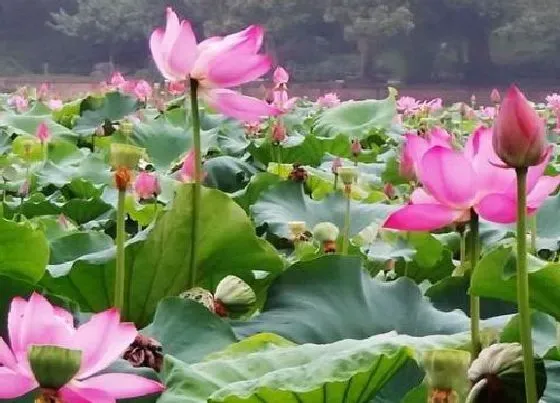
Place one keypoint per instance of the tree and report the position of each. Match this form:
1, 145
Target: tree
369, 23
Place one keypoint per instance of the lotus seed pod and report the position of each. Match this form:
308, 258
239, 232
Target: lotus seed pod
325, 231
234, 291
348, 175
125, 155
202, 296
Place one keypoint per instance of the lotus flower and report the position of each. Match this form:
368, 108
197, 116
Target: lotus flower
456, 181
495, 96
416, 146
43, 133
216, 63
55, 104
117, 80
553, 102
408, 105
432, 106
487, 113
18, 102
329, 100
176, 87
101, 341
280, 76
142, 90
519, 133
281, 100
147, 185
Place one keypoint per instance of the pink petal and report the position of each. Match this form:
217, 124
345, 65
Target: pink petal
420, 196
544, 187
13, 385
422, 217
172, 31
448, 176
499, 208
74, 393
235, 105
38, 324
102, 340
7, 358
122, 386
183, 54
280, 76
158, 55
231, 69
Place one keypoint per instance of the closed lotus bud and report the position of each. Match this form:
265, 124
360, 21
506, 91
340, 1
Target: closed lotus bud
326, 233
337, 163
125, 155
202, 296
147, 185
43, 133
519, 133
280, 76
233, 291
348, 174
446, 375
495, 96
278, 133
356, 147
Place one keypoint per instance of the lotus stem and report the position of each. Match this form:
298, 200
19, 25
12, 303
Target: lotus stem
120, 264
523, 288
346, 234
476, 345
197, 189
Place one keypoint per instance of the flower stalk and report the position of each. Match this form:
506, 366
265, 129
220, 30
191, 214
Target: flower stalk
122, 177
346, 234
476, 345
523, 288
197, 189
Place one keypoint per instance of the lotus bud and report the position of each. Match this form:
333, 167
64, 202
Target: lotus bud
232, 292
125, 155
147, 185
337, 163
519, 133
356, 148
278, 133
126, 128
495, 96
202, 296
327, 234
280, 76
297, 229
446, 375
348, 174
43, 133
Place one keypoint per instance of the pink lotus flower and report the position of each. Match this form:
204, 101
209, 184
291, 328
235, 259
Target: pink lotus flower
117, 80
147, 185
101, 341
329, 100
18, 102
519, 133
55, 104
142, 90
457, 181
176, 87
433, 106
553, 102
216, 63
416, 146
408, 105
280, 76
43, 133
487, 113
43, 91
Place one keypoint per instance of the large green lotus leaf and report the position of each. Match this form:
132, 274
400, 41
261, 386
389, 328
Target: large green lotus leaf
85, 210
357, 118
157, 260
84, 165
232, 139
114, 106
494, 277
305, 150
333, 298
28, 122
227, 174
287, 202
548, 225
24, 251
58, 148
188, 331
257, 185
346, 371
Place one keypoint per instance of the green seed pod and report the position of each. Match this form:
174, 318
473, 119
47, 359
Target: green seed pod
126, 155
52, 366
348, 175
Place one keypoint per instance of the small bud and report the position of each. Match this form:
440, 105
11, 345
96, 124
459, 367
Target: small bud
348, 174
43, 133
519, 133
202, 296
473, 101
24, 189
356, 148
280, 76
495, 96
326, 233
125, 155
147, 185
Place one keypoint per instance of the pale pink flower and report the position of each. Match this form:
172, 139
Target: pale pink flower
495, 96
408, 105
143, 90
217, 64
18, 102
55, 104
117, 80
147, 185
553, 102
176, 87
101, 341
329, 100
487, 113
280, 76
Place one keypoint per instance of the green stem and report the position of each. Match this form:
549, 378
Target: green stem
346, 235
335, 182
533, 224
462, 249
45, 149
197, 189
558, 335
523, 288
476, 345
120, 267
